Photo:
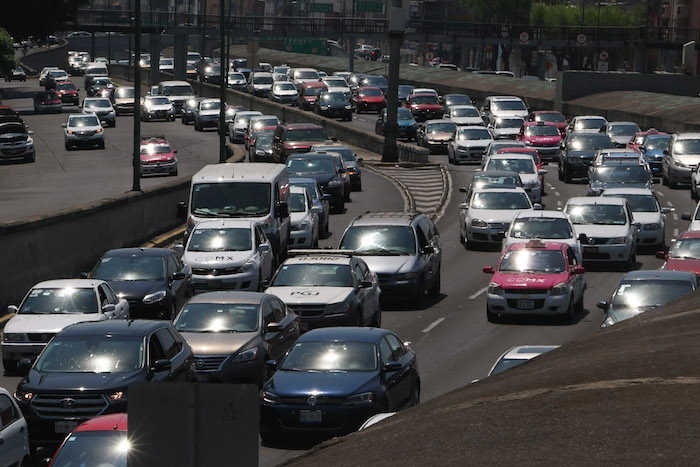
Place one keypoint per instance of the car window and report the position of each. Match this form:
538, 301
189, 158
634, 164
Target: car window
385, 351
103, 296
422, 237
571, 258
278, 311
397, 348
172, 265
111, 298
268, 313
155, 350
8, 414
365, 271
168, 342
179, 343
358, 273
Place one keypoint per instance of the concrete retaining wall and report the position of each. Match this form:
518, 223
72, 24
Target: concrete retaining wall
37, 59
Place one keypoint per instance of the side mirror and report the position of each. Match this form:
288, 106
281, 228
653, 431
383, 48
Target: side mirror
392, 366
537, 207
366, 284
642, 148
655, 181
83, 275
582, 237
488, 269
544, 163
637, 224
541, 172
178, 276
342, 171
179, 249
602, 304
104, 123
666, 153
462, 189
666, 210
334, 139
282, 210
175, 151
109, 308
271, 365
428, 250
11, 309
685, 216
24, 365
659, 254
273, 327
182, 210
263, 247
161, 365
463, 206
360, 159
579, 270
63, 125
326, 196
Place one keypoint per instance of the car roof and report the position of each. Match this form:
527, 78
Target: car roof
596, 200
312, 156
498, 188
542, 213
110, 422
362, 88
628, 191
469, 127
510, 155
230, 297
495, 173
351, 334
225, 224
539, 124
527, 352
504, 98
660, 274
173, 83
153, 252
68, 283
515, 150
238, 171
114, 327
690, 234
687, 136
320, 257
404, 218
441, 120
622, 123
459, 106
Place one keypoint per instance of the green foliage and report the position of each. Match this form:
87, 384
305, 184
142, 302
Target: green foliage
7, 52
498, 11
547, 14
23, 18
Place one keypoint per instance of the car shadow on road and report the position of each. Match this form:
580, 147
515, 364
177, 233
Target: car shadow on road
543, 320
297, 441
399, 304
604, 266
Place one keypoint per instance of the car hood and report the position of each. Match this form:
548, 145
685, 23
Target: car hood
209, 112
285, 92
67, 91
371, 99
301, 144
439, 135
597, 186
300, 294
677, 264
505, 131
542, 139
529, 281
297, 218
310, 98
37, 381
426, 106
582, 153
605, 231
124, 100
474, 143
156, 157
339, 89
262, 86
306, 383
622, 139
321, 178
688, 159
224, 259
467, 120
492, 215
49, 323
135, 290
406, 123
654, 153
388, 264
647, 217
217, 343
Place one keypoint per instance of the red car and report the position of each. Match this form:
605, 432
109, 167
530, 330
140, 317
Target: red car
639, 138
98, 441
295, 138
532, 152
685, 254
7, 110
550, 116
68, 93
309, 92
543, 136
47, 101
368, 98
425, 107
157, 156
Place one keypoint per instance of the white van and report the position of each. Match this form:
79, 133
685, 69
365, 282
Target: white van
303, 75
177, 91
496, 107
255, 191
95, 69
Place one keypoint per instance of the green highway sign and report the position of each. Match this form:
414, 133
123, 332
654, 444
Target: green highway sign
370, 7
321, 7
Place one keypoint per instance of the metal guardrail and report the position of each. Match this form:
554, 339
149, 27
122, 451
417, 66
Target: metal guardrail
337, 27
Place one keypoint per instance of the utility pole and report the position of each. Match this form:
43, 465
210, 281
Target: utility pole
395, 34
137, 97
222, 88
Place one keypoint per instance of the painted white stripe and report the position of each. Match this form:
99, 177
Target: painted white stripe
435, 323
660, 193
477, 293
675, 232
559, 202
556, 193
669, 203
675, 216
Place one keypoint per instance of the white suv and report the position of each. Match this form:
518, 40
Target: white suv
522, 164
647, 211
548, 226
680, 158
83, 130
495, 107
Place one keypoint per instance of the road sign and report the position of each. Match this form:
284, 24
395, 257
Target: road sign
603, 56
581, 39
321, 7
524, 36
370, 7
346, 46
548, 66
429, 56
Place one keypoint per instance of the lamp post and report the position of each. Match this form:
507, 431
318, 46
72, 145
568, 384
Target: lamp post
395, 35
137, 97
222, 89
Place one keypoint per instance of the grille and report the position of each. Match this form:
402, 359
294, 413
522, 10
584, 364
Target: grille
13, 139
499, 226
59, 406
596, 255
206, 363
40, 337
215, 272
85, 133
308, 311
599, 240
526, 291
513, 303
320, 400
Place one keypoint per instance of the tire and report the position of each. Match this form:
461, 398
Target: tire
9, 365
175, 173
31, 158
664, 178
567, 177
26, 462
197, 127
560, 173
578, 306
271, 436
492, 317
671, 184
68, 147
569, 315
420, 294
359, 319
632, 261
101, 144
377, 319
435, 289
415, 395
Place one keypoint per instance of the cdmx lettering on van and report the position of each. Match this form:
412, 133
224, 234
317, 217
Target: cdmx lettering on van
525, 279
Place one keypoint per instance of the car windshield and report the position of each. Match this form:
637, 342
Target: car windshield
598, 214
103, 448
57, 74
521, 166
96, 104
541, 227
488, 179
284, 87
181, 90
157, 101
220, 239
425, 99
371, 93
83, 121
627, 129
380, 240
374, 81
210, 105
305, 134
634, 174
458, 99
65, 87
155, 148
686, 248
402, 113
130, 268
500, 200
440, 128
313, 275
533, 261
306, 75
589, 142
297, 202
550, 117
502, 123
335, 82
232, 199
644, 294
242, 120
508, 105
331, 356
59, 300
310, 187
264, 137
218, 317
589, 124
166, 61
638, 203
262, 79
686, 146
311, 166
102, 82
657, 142
333, 97
473, 133
405, 89
506, 364
92, 354
541, 130
124, 92
236, 76
465, 113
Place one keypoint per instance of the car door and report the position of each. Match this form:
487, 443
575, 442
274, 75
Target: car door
14, 441
371, 293
406, 375
177, 286
273, 339
155, 353
266, 258
173, 349
289, 323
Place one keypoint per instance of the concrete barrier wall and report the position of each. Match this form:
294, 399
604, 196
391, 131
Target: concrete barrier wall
37, 59
62, 244
574, 84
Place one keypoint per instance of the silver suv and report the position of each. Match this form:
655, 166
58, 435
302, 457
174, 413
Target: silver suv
681, 156
402, 248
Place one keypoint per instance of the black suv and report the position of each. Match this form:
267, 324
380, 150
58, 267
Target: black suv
322, 168
333, 104
86, 369
578, 154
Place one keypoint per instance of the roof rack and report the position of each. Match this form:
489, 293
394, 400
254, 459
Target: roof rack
321, 251
145, 138
395, 214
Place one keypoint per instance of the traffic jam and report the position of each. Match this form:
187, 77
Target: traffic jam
249, 297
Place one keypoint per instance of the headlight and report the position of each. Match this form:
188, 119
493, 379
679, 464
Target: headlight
479, 223
406, 276
654, 226
559, 289
349, 107
154, 297
324, 107
30, 142
619, 240
117, 396
306, 225
23, 396
533, 183
337, 308
14, 337
99, 130
334, 182
359, 399
608, 322
248, 266
70, 132
270, 398
678, 163
247, 356
495, 289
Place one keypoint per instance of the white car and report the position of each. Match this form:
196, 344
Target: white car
14, 433
279, 78
518, 355
237, 81
586, 124
49, 307
495, 107
647, 211
469, 144
464, 115
157, 107
336, 83
695, 220
102, 107
284, 93
303, 217
548, 226
608, 228
424, 91
506, 127
521, 164
44, 72
237, 128
260, 84
229, 254
83, 130
166, 64
328, 288
487, 216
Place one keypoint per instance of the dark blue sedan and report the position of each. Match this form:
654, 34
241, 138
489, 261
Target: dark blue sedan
408, 126
333, 379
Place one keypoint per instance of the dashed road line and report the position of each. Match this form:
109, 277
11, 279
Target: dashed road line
477, 293
434, 323
670, 204
556, 193
660, 193
675, 233
675, 216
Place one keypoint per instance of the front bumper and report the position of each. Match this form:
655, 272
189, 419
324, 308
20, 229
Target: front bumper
87, 140
355, 179
239, 281
525, 303
208, 121
124, 108
370, 106
49, 107
392, 287
11, 151
436, 145
619, 252
650, 237
151, 168
339, 112
158, 114
336, 192
679, 174
549, 153
16, 351
312, 316
335, 418
70, 99
422, 115
475, 154
494, 233
301, 238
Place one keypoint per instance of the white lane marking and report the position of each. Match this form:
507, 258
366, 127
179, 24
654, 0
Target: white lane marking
559, 203
670, 204
550, 186
660, 193
556, 193
675, 216
477, 293
675, 232
435, 323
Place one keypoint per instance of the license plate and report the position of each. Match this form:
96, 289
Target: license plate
202, 378
214, 283
310, 416
64, 427
591, 249
526, 304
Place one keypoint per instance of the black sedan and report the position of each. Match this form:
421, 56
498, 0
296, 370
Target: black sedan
155, 281
333, 104
323, 169
334, 379
86, 369
578, 153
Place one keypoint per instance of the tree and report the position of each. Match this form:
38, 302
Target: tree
498, 11
23, 18
7, 53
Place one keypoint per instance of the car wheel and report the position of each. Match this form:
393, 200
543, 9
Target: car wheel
462, 239
377, 318
560, 173
672, 184
9, 365
101, 144
567, 177
68, 147
420, 294
491, 316
632, 261
31, 158
435, 289
175, 173
664, 178
415, 395
569, 315
578, 308
359, 318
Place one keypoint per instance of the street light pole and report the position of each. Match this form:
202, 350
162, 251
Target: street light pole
137, 97
222, 89
395, 35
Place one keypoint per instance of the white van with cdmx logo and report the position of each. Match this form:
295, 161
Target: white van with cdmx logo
255, 191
